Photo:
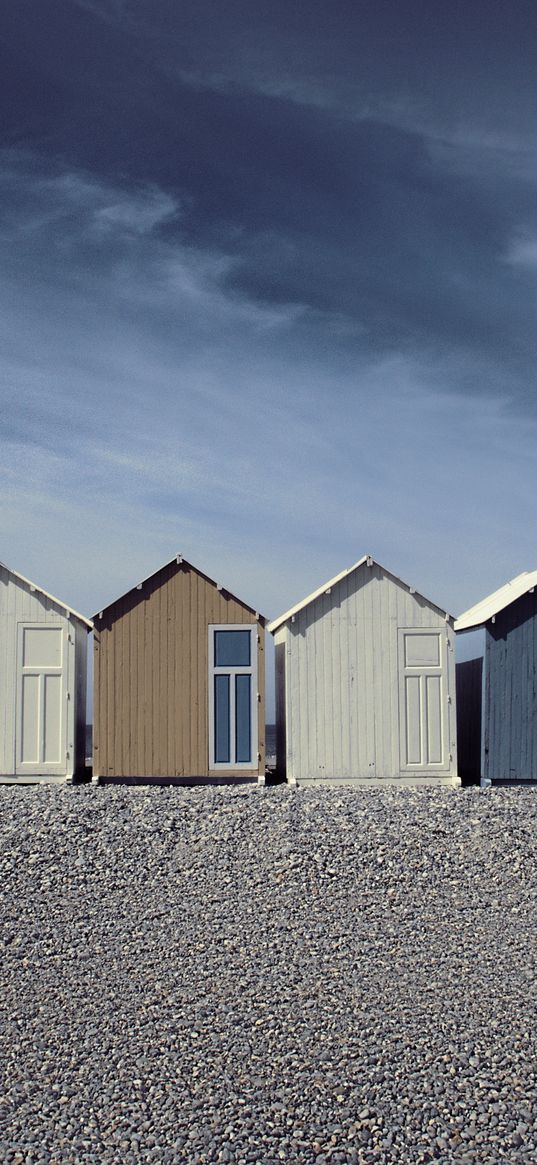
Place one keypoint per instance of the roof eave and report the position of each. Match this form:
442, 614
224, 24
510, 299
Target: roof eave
327, 586
486, 609
47, 595
179, 560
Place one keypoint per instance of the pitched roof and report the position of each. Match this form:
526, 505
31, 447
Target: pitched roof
180, 561
58, 602
484, 610
366, 560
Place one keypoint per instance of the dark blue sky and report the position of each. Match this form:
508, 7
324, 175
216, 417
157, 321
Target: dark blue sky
268, 275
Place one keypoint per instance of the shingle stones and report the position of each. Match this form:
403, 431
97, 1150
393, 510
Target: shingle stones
333, 976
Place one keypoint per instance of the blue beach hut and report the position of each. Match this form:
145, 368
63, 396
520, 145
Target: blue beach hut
507, 722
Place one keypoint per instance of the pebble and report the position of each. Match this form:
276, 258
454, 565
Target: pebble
263, 975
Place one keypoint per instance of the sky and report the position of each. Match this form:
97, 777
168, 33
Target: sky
268, 281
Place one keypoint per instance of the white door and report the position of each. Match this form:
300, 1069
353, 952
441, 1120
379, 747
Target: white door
423, 711
41, 729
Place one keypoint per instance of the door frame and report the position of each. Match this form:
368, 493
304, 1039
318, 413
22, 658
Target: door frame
441, 670
252, 671
43, 768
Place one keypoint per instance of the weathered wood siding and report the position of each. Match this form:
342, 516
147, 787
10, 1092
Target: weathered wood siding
510, 739
339, 690
151, 677
469, 700
20, 604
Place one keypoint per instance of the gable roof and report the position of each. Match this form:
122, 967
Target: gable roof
366, 560
179, 560
58, 602
484, 610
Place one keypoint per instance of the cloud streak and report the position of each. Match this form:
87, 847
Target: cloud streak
268, 298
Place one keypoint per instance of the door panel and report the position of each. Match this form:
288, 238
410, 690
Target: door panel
422, 650
42, 647
433, 713
29, 753
412, 720
52, 719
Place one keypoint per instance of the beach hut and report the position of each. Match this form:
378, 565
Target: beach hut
502, 732
365, 683
179, 682
43, 645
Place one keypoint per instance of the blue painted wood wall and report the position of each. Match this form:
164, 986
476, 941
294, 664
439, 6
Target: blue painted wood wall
510, 739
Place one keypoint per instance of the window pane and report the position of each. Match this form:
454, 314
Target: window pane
243, 719
221, 719
232, 648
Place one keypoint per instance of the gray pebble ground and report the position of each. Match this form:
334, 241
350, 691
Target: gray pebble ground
218, 975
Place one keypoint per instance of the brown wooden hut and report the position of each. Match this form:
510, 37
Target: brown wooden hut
179, 682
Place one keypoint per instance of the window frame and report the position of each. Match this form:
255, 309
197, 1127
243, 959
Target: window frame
213, 670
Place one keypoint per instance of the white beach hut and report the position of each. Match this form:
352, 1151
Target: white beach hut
43, 646
365, 683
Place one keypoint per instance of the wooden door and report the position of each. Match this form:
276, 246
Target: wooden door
423, 697
41, 716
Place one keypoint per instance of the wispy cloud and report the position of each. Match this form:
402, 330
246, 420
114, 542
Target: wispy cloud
267, 297
523, 252
110, 11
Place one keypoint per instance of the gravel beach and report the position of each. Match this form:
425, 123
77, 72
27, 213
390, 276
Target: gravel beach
267, 975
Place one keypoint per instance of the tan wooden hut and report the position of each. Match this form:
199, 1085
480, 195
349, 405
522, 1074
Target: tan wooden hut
179, 682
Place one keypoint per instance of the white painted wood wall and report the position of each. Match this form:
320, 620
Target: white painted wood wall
340, 683
22, 607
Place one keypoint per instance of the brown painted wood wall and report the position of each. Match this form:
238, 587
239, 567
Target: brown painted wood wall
151, 677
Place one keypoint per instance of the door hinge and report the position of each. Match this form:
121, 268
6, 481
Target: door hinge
449, 699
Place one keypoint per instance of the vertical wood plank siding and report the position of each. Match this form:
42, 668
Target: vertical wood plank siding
511, 693
337, 678
469, 700
20, 604
151, 677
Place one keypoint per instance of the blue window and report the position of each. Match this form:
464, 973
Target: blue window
233, 696
232, 648
221, 719
243, 719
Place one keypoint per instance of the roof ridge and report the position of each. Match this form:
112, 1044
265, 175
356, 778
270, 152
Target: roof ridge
179, 560
479, 613
365, 559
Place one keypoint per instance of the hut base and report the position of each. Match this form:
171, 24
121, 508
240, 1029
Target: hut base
35, 779
451, 781
183, 782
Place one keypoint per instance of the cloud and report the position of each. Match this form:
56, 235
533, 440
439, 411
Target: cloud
523, 253
265, 298
108, 10
352, 212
